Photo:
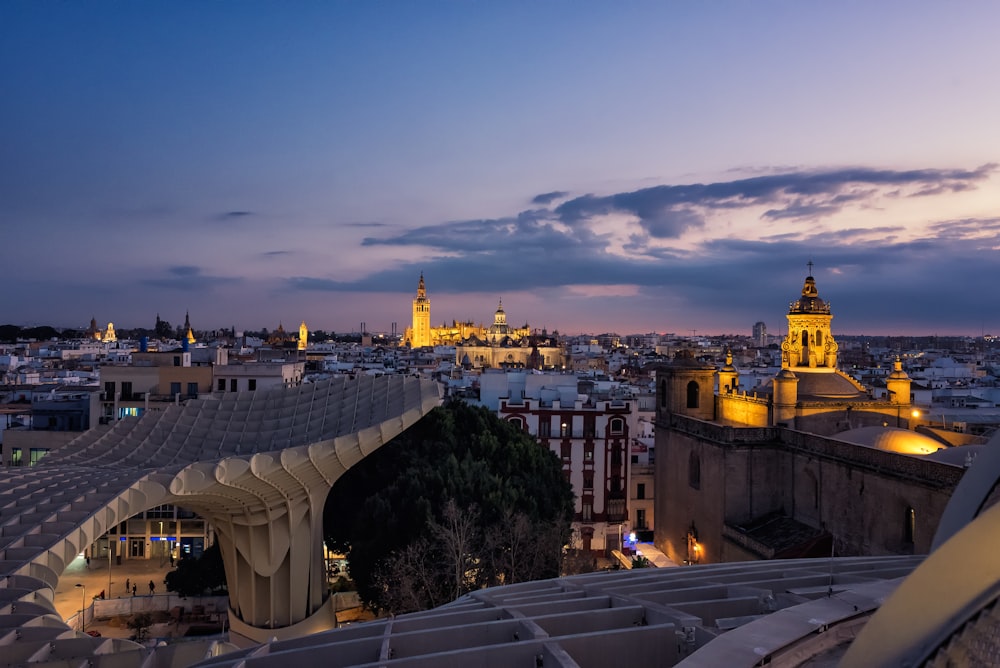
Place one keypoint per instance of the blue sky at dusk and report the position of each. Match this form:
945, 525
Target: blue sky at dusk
635, 167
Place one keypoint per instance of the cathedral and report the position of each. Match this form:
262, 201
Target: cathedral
808, 464
480, 346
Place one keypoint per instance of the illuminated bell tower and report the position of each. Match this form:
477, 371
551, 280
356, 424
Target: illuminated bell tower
809, 343
421, 317
303, 336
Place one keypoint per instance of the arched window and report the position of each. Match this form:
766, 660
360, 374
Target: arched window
617, 425
819, 337
694, 471
517, 422
692, 395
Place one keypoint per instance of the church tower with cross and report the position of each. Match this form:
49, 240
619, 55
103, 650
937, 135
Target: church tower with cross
809, 343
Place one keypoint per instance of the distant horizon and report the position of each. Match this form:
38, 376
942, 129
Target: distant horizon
293, 329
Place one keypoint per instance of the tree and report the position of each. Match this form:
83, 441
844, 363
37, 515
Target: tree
140, 623
162, 329
459, 501
196, 575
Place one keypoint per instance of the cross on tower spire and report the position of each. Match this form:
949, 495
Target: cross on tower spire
810, 265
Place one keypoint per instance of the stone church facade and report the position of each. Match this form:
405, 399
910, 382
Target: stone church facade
762, 475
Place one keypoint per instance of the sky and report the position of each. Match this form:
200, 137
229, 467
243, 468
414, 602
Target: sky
628, 167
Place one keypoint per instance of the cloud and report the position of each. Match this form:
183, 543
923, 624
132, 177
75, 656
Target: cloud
806, 194
276, 253
673, 250
547, 198
188, 278
233, 215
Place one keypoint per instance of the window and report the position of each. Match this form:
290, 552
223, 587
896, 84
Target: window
692, 395
589, 426
588, 480
175, 389
663, 394
35, 455
588, 511
127, 390
564, 429
193, 390
221, 386
694, 471
109, 390
15, 457
617, 426
545, 427
232, 384
640, 490
635, 459
588, 452
909, 524
177, 360
616, 456
252, 384
517, 422
567, 450
640, 518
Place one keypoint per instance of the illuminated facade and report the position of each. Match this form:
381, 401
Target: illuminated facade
499, 345
106, 335
791, 468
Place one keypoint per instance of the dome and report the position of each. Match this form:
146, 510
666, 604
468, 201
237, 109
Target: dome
891, 439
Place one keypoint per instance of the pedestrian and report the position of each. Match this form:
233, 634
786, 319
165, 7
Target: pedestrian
171, 559
152, 588
88, 560
128, 585
133, 589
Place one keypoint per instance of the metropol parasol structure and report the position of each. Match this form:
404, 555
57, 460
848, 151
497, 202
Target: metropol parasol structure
258, 467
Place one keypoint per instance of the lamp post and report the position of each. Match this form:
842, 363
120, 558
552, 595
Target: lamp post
83, 608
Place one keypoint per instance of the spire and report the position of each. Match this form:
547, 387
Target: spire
421, 289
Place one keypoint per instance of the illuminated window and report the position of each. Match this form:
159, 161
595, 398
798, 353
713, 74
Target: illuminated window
35, 455
15, 457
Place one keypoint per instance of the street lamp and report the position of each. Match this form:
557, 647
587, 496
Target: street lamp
83, 608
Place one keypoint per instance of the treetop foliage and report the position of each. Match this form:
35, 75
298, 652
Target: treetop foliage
445, 504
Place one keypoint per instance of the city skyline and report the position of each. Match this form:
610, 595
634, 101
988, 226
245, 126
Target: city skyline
634, 169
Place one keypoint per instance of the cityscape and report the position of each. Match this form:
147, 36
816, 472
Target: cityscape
522, 334
603, 405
